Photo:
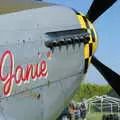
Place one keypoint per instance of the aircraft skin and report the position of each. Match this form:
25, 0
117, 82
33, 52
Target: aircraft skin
23, 36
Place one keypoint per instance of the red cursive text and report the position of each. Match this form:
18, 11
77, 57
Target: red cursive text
18, 74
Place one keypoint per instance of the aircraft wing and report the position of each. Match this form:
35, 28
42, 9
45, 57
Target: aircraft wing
10, 6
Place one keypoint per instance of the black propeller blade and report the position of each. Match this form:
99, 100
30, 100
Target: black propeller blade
112, 77
98, 7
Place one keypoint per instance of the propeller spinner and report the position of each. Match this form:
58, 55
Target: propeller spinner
97, 8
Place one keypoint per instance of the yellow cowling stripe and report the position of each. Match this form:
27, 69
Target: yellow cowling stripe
96, 39
82, 22
86, 24
83, 25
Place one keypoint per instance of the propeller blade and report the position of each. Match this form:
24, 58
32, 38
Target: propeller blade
112, 77
98, 7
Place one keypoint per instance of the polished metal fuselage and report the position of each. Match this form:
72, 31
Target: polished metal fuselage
24, 34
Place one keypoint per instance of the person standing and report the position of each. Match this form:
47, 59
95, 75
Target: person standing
65, 114
83, 109
77, 113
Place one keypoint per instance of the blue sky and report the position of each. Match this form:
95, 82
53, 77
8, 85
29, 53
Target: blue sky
108, 30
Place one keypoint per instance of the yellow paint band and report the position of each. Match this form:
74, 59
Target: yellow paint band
86, 24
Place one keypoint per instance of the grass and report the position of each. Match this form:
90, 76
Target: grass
95, 115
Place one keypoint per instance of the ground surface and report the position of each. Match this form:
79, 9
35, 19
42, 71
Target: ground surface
96, 116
